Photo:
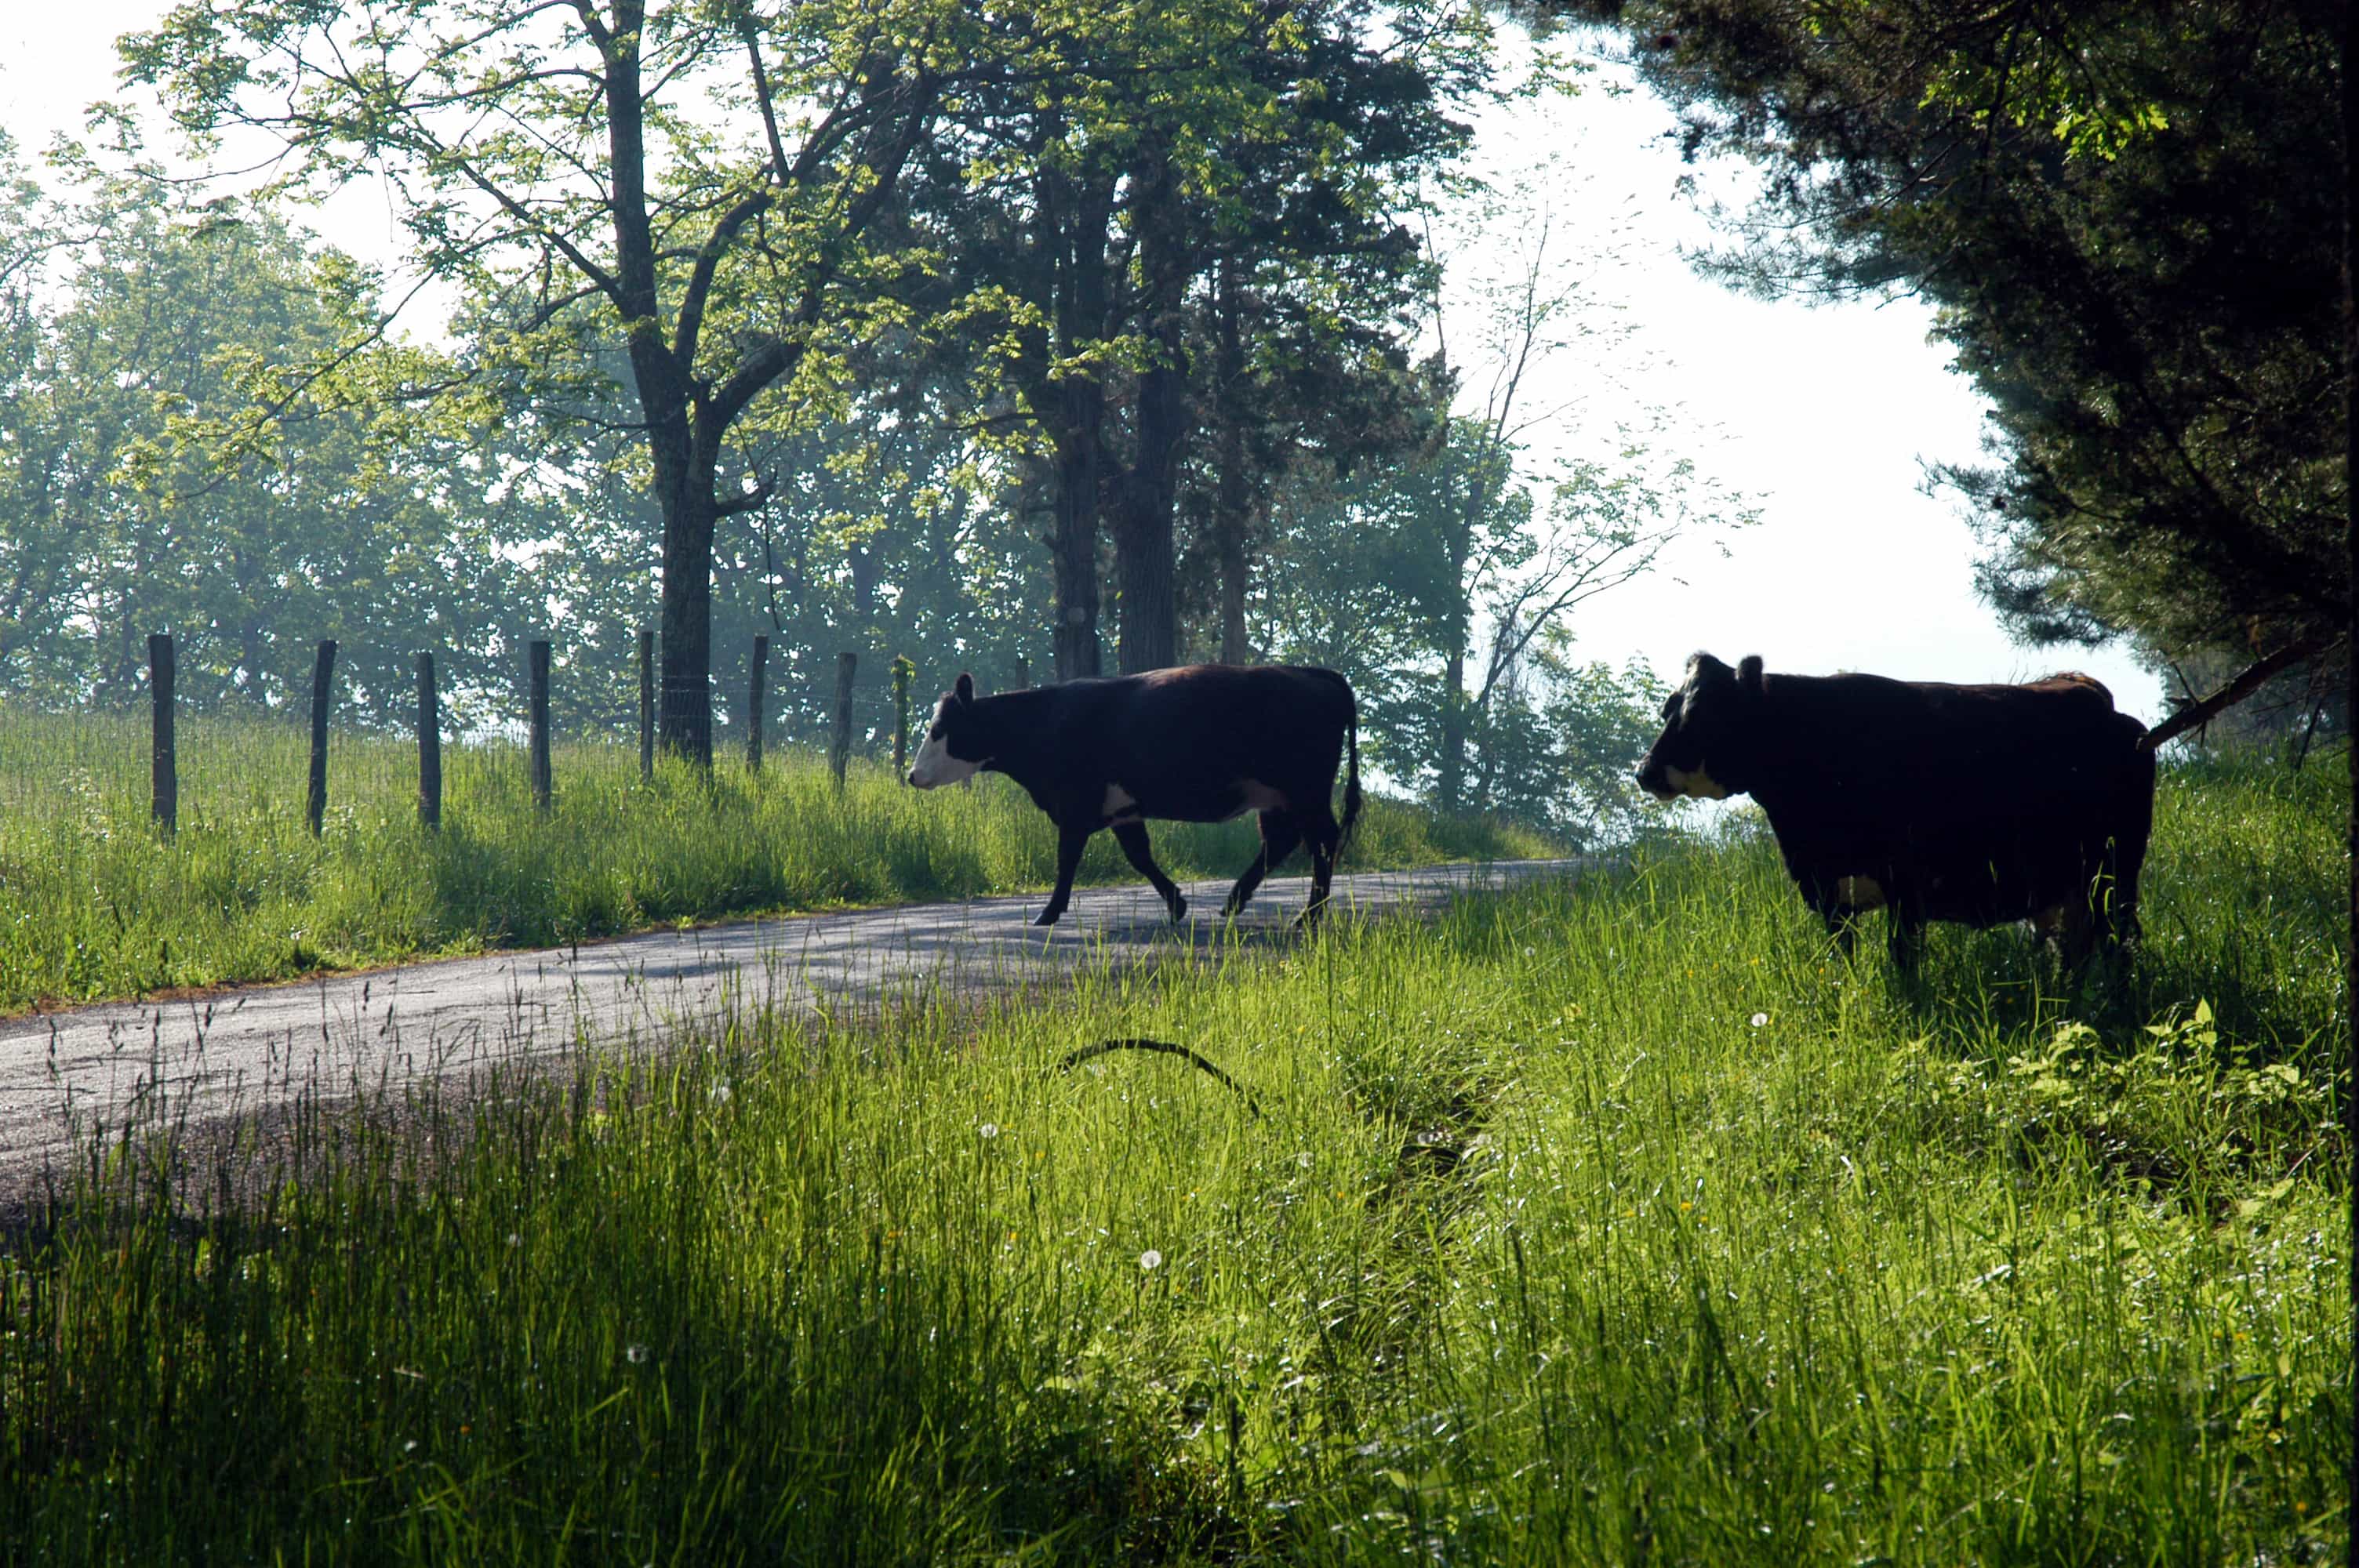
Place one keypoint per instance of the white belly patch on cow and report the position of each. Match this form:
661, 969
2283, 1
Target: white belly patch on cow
1254, 795
1859, 893
1118, 805
1698, 783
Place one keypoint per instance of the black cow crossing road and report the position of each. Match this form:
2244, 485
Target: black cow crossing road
1194, 743
66, 1075
1982, 804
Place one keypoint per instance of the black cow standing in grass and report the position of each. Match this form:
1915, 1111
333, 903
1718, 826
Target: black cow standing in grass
1976, 804
1200, 743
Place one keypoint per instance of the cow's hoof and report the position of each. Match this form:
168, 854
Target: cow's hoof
1048, 916
1178, 908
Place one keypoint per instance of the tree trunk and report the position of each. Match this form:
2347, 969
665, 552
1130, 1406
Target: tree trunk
1073, 547
867, 570
1450, 767
1232, 490
683, 463
684, 720
1235, 648
1145, 559
1075, 231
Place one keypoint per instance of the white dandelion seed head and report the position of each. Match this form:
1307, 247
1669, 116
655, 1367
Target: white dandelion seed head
989, 1129
635, 1354
721, 1092
1303, 1159
513, 1239
1760, 1019
1150, 1259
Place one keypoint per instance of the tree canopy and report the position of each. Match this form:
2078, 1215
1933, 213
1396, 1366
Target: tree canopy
2129, 219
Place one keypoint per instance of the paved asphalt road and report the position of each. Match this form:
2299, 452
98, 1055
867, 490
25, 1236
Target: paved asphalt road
264, 1047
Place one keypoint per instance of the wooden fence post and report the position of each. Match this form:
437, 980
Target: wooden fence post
536, 720
164, 765
839, 751
430, 746
646, 705
755, 698
323, 676
903, 673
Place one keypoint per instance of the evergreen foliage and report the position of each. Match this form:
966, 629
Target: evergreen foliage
2129, 217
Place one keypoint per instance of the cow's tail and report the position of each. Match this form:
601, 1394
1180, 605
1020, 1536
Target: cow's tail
1352, 799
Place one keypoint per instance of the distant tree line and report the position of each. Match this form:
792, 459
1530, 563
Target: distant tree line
1037, 341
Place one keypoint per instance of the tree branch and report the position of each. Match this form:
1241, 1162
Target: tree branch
2192, 714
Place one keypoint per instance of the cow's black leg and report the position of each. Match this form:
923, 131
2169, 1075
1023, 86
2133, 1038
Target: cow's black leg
1320, 827
1906, 940
1843, 925
1132, 837
1278, 838
1070, 842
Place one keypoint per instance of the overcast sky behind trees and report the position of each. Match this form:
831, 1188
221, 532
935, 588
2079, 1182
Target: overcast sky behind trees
1825, 415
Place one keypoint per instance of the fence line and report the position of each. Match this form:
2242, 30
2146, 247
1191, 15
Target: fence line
869, 717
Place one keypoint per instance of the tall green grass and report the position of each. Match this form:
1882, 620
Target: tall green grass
94, 903
1613, 1222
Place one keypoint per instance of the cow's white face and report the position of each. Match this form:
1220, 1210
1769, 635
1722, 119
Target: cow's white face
934, 766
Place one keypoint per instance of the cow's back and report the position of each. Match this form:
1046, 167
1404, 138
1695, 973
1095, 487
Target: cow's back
1218, 718
1981, 803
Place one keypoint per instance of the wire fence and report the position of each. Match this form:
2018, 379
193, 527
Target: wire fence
224, 762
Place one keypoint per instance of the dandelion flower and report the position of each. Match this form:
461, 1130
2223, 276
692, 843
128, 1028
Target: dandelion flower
1760, 1019
1150, 1259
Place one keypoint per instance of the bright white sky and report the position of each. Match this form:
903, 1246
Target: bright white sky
1826, 416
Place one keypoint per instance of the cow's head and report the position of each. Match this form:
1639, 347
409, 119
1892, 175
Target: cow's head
1709, 726
953, 749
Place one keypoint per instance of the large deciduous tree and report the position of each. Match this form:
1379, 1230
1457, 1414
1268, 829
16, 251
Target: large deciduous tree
1096, 214
697, 179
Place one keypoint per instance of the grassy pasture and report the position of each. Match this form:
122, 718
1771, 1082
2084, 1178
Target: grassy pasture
1610, 1223
94, 903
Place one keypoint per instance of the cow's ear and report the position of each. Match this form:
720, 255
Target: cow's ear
1748, 672
964, 691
